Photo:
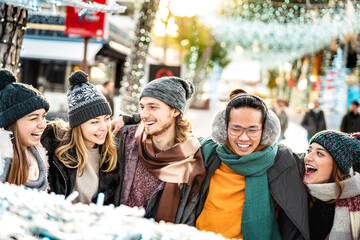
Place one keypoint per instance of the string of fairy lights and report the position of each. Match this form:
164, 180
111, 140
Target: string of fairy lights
134, 72
37, 5
273, 32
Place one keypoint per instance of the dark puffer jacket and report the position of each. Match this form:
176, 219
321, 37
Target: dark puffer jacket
62, 179
286, 188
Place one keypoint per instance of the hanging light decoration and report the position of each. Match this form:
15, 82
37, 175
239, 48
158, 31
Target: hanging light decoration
275, 32
36, 5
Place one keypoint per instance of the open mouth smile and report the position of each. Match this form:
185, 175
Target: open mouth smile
243, 146
37, 135
147, 124
100, 135
310, 169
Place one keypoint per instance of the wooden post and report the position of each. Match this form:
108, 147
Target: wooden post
84, 66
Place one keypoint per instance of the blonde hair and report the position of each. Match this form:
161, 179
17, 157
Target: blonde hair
182, 128
19, 170
72, 151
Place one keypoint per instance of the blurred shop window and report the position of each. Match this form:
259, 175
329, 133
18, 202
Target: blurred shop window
53, 75
46, 75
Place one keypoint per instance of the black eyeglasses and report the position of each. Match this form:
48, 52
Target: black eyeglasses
251, 132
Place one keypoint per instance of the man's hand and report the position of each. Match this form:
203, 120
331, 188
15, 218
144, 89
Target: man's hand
117, 124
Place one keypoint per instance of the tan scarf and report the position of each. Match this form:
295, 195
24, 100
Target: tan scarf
183, 163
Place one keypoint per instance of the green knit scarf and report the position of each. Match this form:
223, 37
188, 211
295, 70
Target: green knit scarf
258, 218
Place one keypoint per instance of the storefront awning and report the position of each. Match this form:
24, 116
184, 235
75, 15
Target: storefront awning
67, 50
108, 50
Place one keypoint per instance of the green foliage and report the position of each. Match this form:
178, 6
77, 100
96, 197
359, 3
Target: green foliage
219, 55
200, 36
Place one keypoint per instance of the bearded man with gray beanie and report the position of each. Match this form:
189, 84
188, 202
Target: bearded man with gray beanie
162, 164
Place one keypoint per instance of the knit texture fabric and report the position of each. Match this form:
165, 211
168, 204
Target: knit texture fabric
85, 101
173, 91
87, 182
17, 99
343, 148
41, 183
347, 209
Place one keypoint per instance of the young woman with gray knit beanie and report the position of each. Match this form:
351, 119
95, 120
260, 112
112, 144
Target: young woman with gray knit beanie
82, 152
23, 160
335, 208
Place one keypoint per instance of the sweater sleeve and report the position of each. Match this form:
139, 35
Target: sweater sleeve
131, 119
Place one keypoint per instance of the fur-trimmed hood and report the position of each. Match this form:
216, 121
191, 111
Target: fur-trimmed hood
270, 133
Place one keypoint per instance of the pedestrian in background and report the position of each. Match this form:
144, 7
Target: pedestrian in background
108, 91
314, 120
82, 152
253, 188
280, 111
23, 159
334, 211
351, 121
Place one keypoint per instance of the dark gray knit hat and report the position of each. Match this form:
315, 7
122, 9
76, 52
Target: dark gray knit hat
17, 99
85, 100
343, 148
173, 91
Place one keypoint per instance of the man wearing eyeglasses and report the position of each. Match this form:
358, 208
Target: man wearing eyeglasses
253, 188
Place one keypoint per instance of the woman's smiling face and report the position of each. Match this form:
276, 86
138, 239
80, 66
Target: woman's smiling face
318, 164
95, 130
31, 127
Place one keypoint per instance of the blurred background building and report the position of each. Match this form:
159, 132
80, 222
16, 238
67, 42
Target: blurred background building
294, 50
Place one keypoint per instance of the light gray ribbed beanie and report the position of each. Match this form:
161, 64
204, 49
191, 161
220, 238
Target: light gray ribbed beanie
173, 91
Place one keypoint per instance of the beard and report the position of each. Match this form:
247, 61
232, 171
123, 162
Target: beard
163, 129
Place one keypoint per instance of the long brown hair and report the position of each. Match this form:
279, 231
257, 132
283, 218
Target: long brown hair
337, 177
72, 151
182, 128
19, 170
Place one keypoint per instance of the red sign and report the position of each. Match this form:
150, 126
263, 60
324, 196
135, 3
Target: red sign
163, 72
85, 23
158, 71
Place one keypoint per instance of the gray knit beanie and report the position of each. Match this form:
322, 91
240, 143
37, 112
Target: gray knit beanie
173, 91
17, 99
85, 100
